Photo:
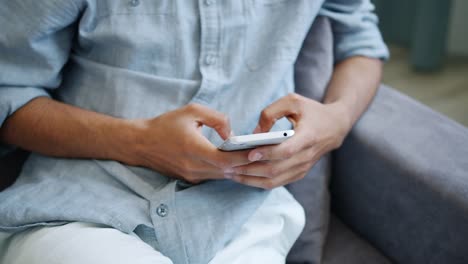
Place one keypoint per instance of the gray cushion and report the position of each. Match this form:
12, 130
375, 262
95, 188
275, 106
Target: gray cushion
401, 180
345, 246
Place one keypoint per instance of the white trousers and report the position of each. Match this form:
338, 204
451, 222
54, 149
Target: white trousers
266, 237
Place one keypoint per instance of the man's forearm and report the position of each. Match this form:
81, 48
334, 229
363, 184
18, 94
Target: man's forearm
353, 85
56, 129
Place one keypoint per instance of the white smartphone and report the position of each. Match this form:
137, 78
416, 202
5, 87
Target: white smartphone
255, 140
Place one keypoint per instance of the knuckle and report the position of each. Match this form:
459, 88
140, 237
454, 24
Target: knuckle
301, 176
265, 115
288, 152
338, 143
241, 180
222, 163
242, 171
311, 155
313, 139
303, 172
268, 185
297, 103
273, 171
307, 168
190, 177
193, 107
295, 98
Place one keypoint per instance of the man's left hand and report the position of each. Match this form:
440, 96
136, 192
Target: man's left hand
319, 128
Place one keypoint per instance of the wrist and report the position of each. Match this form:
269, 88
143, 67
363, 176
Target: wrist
125, 137
343, 115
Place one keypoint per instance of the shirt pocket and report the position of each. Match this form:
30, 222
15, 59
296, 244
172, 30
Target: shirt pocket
139, 35
270, 34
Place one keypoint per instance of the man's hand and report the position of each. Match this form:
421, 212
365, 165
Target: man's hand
171, 143
174, 145
319, 128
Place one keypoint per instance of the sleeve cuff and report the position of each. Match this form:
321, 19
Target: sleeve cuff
366, 43
355, 30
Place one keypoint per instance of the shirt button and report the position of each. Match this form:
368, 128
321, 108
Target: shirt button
210, 60
162, 210
210, 2
134, 2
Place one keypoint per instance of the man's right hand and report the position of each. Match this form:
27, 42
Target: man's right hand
171, 143
174, 145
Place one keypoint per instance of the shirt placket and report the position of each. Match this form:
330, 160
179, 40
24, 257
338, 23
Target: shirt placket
210, 60
163, 205
163, 213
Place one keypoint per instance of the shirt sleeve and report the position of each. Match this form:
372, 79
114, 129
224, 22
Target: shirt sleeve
355, 30
35, 42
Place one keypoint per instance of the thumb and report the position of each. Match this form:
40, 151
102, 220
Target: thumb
211, 118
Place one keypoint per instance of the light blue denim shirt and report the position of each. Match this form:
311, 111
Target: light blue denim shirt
142, 58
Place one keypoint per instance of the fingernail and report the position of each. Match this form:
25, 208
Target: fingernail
256, 156
228, 175
229, 170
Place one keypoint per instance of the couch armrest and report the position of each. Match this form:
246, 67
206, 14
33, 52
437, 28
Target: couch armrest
401, 181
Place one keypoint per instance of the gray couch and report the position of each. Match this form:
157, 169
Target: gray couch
399, 184
400, 181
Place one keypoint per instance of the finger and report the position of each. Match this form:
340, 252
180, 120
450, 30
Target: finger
198, 170
208, 171
285, 150
269, 183
201, 166
257, 130
234, 158
259, 169
287, 106
214, 119
272, 169
204, 150
228, 160
199, 176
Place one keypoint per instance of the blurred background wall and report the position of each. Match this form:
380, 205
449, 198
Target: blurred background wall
428, 40
458, 29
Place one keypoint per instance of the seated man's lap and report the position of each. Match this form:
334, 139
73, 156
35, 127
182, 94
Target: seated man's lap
78, 243
269, 234
267, 237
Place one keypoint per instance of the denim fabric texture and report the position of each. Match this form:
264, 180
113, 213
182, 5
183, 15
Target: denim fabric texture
140, 59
